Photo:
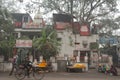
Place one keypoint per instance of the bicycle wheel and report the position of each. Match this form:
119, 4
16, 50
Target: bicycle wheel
38, 74
20, 74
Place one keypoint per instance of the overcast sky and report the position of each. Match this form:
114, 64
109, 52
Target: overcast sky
22, 5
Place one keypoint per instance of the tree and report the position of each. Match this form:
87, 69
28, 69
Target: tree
7, 47
7, 39
14, 5
83, 10
6, 23
47, 44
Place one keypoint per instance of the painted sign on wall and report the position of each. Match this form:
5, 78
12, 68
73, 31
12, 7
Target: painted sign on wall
24, 43
84, 30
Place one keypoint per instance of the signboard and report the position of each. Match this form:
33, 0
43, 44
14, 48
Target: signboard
61, 25
62, 21
24, 43
32, 25
84, 30
111, 40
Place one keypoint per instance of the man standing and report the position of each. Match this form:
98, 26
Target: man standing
13, 64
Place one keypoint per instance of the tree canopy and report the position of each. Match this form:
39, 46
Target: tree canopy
6, 23
7, 40
47, 45
100, 12
84, 10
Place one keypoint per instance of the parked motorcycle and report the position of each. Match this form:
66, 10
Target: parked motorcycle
99, 68
113, 71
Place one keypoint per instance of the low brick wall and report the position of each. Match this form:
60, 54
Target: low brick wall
5, 66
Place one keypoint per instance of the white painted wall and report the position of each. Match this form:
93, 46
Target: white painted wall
66, 49
5, 66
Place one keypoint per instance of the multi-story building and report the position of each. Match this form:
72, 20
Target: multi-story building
79, 42
26, 26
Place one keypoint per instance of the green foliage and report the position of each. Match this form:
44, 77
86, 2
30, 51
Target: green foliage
108, 50
24, 38
11, 5
71, 41
47, 44
7, 47
7, 40
101, 12
94, 46
6, 21
83, 10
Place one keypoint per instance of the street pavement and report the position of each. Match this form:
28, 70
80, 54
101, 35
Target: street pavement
92, 74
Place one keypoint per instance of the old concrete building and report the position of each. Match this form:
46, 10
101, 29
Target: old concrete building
79, 42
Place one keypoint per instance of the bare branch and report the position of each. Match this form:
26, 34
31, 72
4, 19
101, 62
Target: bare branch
98, 3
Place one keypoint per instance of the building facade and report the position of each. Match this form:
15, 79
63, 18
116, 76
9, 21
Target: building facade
26, 26
79, 42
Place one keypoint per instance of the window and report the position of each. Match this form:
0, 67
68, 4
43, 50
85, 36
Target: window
82, 56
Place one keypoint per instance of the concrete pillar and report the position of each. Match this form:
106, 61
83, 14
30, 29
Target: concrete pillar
78, 57
41, 58
54, 65
86, 61
110, 60
86, 58
31, 58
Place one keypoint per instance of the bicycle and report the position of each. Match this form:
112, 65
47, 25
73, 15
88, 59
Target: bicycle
22, 72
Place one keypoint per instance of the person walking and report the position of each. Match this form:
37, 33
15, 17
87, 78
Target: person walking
14, 60
28, 65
